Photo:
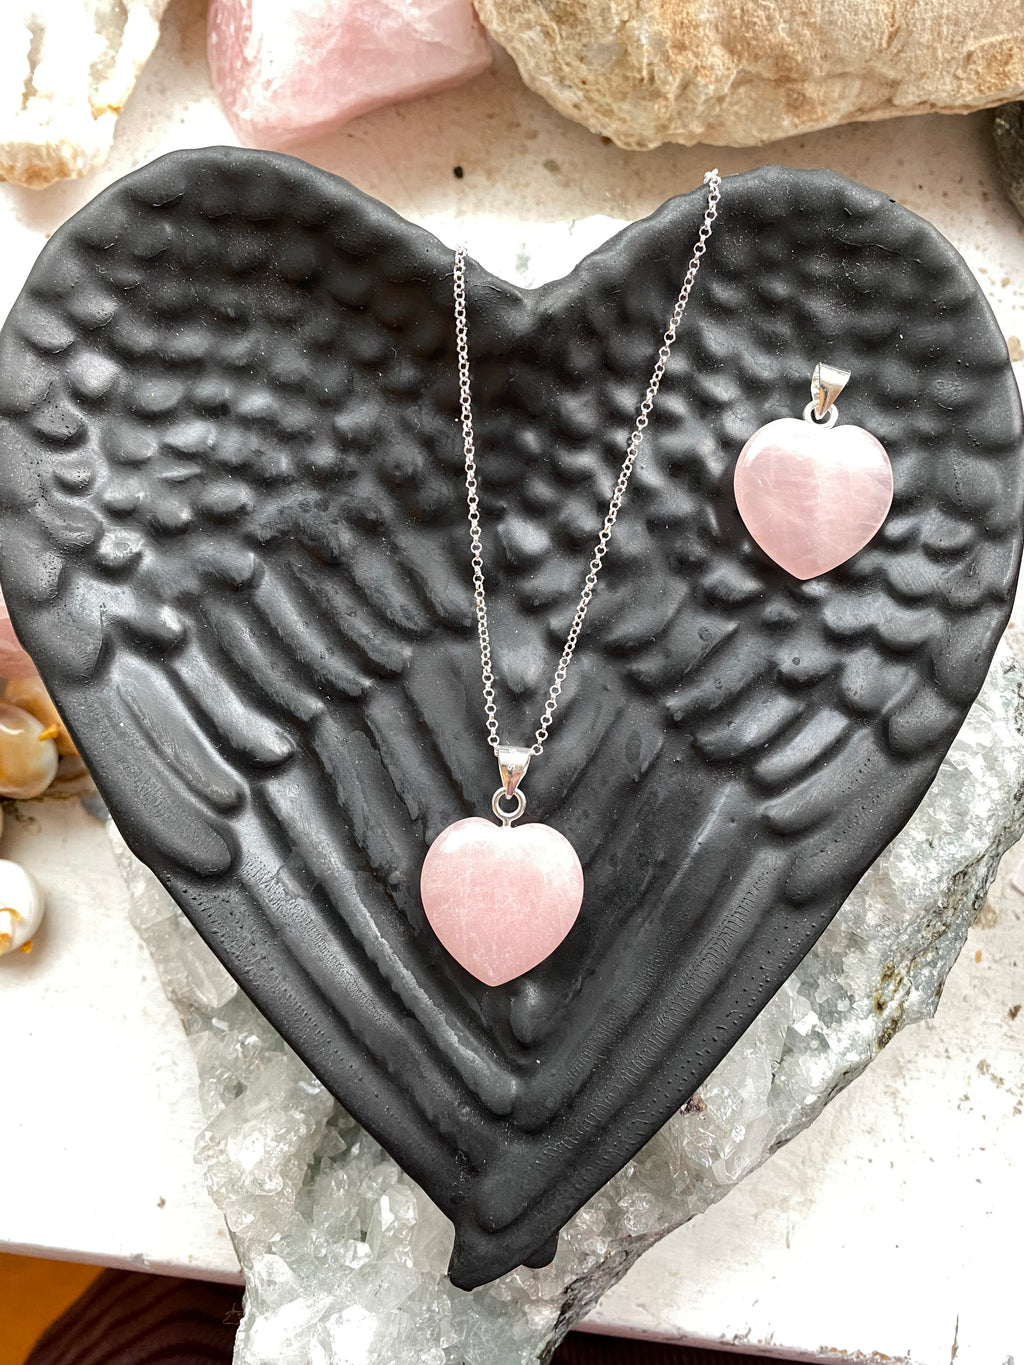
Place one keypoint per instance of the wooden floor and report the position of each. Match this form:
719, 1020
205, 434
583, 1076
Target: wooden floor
33, 1293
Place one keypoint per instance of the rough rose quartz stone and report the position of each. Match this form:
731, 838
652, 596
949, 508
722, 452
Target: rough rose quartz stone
501, 898
290, 69
812, 497
14, 662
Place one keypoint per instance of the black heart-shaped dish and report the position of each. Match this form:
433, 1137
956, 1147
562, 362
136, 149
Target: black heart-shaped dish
234, 539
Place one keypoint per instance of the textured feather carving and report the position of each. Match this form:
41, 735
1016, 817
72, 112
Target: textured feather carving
235, 541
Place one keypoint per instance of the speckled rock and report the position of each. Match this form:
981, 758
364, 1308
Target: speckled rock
1008, 133
744, 72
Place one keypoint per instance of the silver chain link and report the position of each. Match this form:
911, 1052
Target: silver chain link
714, 182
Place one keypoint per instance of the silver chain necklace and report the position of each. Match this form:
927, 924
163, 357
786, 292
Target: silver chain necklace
500, 898
512, 759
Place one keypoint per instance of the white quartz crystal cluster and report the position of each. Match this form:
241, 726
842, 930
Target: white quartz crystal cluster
345, 1257
66, 69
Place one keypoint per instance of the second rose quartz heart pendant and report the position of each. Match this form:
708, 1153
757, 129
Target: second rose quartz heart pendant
812, 494
499, 898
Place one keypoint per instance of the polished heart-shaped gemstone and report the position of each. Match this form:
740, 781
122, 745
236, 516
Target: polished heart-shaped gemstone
501, 898
812, 497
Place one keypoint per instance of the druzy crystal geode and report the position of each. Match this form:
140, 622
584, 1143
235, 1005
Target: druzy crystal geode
345, 1257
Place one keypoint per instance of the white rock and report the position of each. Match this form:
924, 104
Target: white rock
66, 69
739, 73
21, 908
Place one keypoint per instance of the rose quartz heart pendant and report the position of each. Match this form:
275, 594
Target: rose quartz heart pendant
813, 494
501, 898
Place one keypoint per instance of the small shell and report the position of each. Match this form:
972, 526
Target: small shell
72, 778
28, 757
31, 695
21, 908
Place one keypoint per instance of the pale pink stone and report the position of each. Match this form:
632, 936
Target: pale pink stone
14, 662
290, 69
812, 497
501, 898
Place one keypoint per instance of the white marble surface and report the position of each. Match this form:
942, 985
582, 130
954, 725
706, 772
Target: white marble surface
892, 1228
99, 1090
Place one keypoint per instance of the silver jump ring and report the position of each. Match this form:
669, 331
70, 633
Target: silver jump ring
828, 423
507, 817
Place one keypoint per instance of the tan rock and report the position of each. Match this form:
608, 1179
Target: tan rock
744, 72
66, 69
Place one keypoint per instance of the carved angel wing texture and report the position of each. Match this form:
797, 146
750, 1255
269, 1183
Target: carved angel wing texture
234, 539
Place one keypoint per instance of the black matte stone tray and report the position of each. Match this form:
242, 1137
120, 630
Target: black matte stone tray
234, 539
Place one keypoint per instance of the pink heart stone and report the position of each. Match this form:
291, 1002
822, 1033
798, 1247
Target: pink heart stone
500, 898
812, 497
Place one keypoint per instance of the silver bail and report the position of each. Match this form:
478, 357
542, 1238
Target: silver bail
513, 762
827, 383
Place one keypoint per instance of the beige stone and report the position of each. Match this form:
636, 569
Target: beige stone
744, 72
66, 69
